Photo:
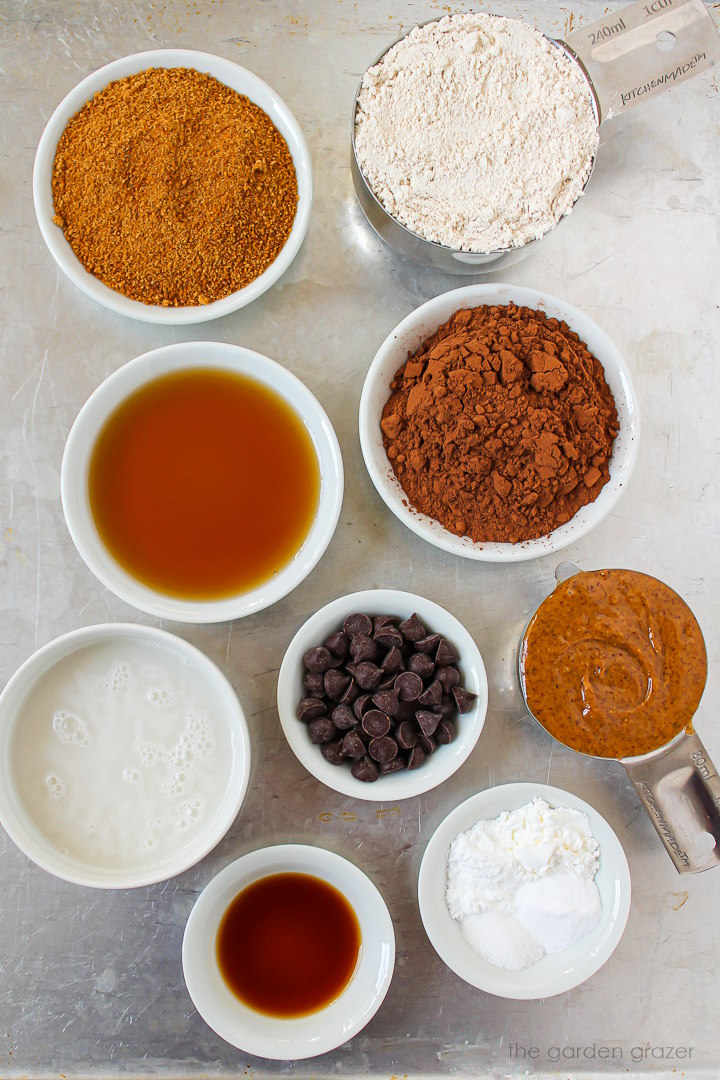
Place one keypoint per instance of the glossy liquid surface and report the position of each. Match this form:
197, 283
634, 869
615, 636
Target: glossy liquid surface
203, 484
121, 754
288, 944
613, 663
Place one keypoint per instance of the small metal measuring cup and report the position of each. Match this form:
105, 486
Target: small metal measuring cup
625, 57
677, 784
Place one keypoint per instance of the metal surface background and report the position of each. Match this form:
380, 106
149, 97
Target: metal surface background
91, 982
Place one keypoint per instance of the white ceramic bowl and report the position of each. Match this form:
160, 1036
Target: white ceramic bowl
193, 844
416, 328
557, 972
226, 72
114, 390
439, 765
306, 1036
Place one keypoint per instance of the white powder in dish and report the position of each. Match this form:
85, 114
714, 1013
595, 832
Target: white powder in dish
476, 132
522, 885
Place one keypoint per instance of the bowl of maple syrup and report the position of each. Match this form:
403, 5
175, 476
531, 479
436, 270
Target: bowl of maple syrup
201, 482
288, 952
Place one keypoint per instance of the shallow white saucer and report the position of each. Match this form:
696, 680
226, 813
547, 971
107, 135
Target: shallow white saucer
557, 972
285, 1039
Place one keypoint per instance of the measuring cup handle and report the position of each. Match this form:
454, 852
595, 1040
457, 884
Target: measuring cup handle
680, 789
644, 49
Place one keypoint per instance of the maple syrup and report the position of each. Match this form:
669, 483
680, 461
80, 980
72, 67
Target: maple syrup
203, 483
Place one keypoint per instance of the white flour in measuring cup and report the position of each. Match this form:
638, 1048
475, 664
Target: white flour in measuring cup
476, 132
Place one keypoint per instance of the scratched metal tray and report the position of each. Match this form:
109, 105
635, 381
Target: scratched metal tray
91, 982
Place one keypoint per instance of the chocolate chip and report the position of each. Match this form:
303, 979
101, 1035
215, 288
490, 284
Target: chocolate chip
382, 702
338, 644
394, 765
367, 675
445, 654
331, 752
352, 745
445, 732
427, 742
376, 723
322, 730
412, 629
421, 664
387, 700
427, 721
446, 707
428, 644
463, 699
336, 684
393, 661
365, 770
343, 717
405, 711
387, 636
363, 647
357, 624
314, 682
317, 659
448, 676
416, 757
406, 735
310, 708
362, 704
409, 685
431, 696
351, 692
383, 749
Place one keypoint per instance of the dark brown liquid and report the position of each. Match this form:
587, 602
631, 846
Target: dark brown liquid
203, 483
288, 944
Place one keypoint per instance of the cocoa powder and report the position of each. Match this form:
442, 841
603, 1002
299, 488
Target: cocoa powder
173, 189
500, 426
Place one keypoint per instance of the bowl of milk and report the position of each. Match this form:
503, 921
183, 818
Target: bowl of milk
124, 756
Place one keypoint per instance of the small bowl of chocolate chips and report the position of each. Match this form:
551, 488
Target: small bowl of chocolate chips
382, 694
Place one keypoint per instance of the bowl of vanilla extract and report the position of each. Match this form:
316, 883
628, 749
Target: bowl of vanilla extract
288, 952
201, 482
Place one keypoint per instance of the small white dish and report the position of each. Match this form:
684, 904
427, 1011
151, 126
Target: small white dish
284, 1039
410, 334
226, 72
556, 972
438, 766
193, 843
103, 402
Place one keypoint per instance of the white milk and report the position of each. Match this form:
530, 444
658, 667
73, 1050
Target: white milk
121, 754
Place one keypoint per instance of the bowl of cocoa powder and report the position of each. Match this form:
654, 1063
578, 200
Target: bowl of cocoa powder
499, 423
173, 186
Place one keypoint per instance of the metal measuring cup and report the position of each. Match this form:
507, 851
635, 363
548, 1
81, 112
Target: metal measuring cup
677, 783
625, 57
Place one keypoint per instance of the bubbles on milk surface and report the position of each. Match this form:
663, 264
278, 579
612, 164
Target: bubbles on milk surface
55, 785
132, 775
121, 752
69, 728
